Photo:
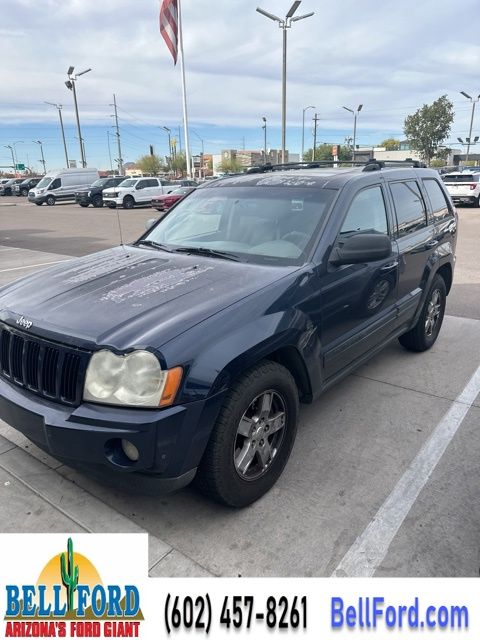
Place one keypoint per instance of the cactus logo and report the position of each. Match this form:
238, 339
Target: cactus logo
69, 600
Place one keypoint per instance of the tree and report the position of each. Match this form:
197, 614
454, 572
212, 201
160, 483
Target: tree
179, 163
428, 127
150, 164
229, 165
324, 152
390, 144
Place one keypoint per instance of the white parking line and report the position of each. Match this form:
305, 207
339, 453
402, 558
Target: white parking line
371, 546
30, 266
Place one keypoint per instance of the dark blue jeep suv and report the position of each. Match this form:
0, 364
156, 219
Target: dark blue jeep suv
185, 355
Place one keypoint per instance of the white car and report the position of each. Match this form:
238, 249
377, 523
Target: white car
463, 187
135, 191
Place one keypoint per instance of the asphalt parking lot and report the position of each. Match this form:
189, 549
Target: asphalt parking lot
376, 458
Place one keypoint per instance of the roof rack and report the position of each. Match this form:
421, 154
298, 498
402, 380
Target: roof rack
369, 165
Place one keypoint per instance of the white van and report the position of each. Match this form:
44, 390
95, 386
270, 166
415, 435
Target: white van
61, 186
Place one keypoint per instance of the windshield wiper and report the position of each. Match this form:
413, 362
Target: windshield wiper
205, 251
155, 245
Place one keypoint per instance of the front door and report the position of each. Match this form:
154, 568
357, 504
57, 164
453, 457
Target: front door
358, 301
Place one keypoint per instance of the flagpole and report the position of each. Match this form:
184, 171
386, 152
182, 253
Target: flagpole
184, 92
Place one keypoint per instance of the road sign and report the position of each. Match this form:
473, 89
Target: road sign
19, 167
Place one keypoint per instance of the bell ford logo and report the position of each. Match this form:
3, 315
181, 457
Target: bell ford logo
23, 322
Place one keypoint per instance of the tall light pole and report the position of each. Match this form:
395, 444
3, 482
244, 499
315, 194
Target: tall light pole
109, 151
201, 161
474, 102
303, 130
59, 107
43, 157
169, 134
70, 84
117, 133
355, 114
285, 24
264, 127
9, 146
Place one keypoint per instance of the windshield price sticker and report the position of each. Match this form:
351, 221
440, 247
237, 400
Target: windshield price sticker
98, 586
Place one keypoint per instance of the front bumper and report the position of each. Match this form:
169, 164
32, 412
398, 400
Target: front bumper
109, 201
36, 199
170, 441
83, 198
464, 199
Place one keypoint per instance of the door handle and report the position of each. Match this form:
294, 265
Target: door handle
430, 244
389, 266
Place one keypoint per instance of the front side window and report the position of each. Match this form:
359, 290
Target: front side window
409, 207
366, 214
56, 184
260, 224
437, 198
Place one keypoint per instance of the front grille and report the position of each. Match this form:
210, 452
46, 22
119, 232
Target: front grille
51, 370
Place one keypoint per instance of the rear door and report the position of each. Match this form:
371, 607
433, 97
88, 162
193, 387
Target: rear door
416, 240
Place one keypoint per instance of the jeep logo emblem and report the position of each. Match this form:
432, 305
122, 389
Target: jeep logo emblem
23, 322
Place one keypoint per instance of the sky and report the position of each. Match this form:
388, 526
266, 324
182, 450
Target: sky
391, 56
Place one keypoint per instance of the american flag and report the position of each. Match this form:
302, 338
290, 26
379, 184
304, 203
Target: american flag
169, 26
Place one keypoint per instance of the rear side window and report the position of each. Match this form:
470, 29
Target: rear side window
437, 198
366, 213
409, 207
462, 177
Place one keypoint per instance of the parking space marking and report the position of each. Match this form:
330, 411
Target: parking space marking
30, 266
371, 546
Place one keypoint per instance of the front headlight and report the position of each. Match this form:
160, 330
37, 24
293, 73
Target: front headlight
40, 190
135, 379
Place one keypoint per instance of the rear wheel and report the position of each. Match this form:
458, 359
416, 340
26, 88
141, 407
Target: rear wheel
50, 200
128, 202
83, 204
39, 204
252, 438
425, 332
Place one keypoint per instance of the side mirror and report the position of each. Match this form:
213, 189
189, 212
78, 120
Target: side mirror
149, 223
362, 247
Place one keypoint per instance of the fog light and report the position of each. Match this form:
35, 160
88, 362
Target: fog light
130, 450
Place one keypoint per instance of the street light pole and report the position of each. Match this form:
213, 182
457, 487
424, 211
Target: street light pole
355, 113
169, 131
70, 84
109, 152
285, 24
264, 127
303, 130
43, 157
202, 154
474, 102
9, 146
59, 107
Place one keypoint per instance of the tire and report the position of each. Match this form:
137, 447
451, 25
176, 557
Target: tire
224, 474
424, 334
97, 201
39, 204
50, 200
83, 204
24, 192
128, 202
476, 202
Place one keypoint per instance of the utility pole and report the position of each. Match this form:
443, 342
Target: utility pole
473, 101
264, 127
109, 152
119, 159
315, 121
59, 107
70, 84
39, 142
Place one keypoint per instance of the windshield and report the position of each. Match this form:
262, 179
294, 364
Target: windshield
99, 183
255, 223
44, 182
129, 183
461, 177
180, 192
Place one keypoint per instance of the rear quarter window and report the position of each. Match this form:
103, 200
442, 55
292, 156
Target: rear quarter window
409, 207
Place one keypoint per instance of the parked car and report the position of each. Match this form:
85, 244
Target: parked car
62, 186
135, 191
22, 188
94, 195
6, 189
184, 183
185, 354
463, 187
163, 203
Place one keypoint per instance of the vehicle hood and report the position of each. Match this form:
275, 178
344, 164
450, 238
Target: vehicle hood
117, 189
130, 296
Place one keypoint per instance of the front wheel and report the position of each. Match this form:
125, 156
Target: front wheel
97, 202
128, 202
24, 192
83, 204
39, 204
425, 332
50, 200
252, 438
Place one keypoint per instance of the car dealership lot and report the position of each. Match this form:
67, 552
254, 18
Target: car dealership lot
352, 449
